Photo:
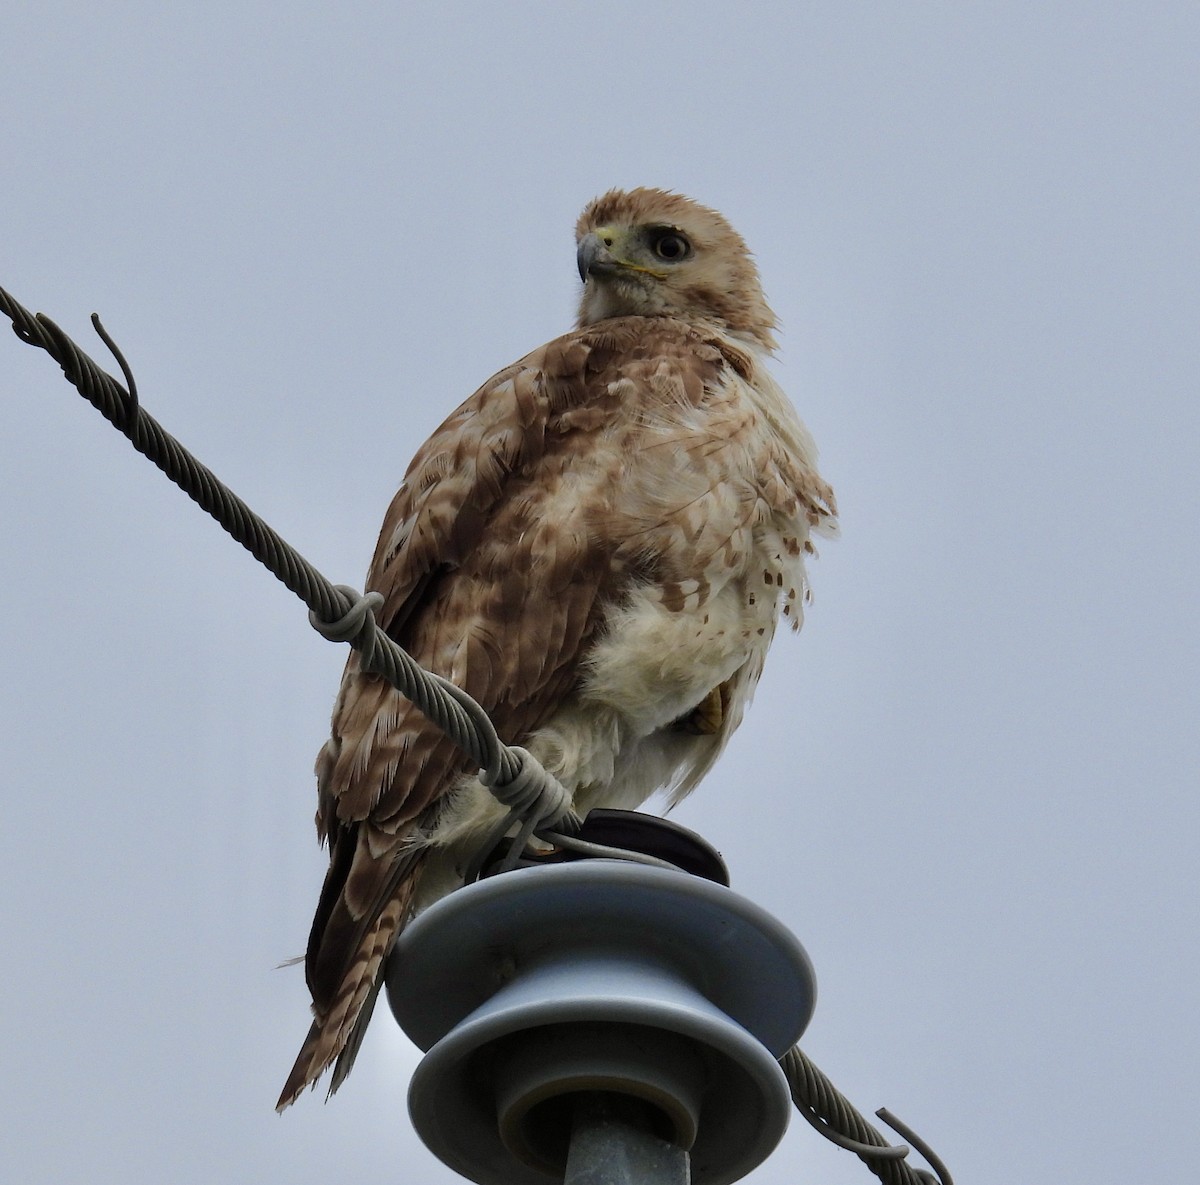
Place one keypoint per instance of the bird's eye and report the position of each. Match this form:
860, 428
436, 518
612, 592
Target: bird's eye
671, 246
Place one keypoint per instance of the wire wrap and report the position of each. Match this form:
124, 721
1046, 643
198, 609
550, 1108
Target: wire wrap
832, 1114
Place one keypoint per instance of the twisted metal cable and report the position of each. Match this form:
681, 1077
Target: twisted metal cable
338, 612
832, 1114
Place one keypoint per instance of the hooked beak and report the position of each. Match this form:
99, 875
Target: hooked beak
593, 257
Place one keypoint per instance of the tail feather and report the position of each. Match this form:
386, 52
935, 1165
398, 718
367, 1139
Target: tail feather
345, 1059
337, 1031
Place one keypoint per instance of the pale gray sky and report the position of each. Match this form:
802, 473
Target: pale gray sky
969, 786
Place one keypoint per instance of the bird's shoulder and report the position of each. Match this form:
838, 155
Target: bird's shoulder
578, 392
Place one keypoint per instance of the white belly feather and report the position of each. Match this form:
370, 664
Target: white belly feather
612, 744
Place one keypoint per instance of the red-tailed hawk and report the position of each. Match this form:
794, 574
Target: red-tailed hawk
596, 546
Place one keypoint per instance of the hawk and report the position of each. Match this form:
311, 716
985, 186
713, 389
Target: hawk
597, 547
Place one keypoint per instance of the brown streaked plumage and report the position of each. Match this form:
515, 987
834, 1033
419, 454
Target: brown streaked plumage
596, 546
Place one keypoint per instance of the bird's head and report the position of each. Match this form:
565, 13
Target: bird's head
647, 252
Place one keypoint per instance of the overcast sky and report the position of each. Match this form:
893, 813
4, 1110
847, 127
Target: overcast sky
969, 786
